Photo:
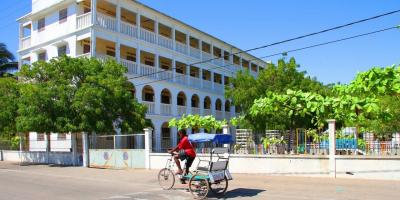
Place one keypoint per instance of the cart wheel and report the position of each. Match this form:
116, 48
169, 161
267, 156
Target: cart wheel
219, 188
198, 187
166, 178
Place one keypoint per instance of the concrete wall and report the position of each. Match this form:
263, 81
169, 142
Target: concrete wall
347, 166
59, 158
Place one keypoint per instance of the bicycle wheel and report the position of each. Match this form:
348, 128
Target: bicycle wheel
198, 186
166, 178
219, 187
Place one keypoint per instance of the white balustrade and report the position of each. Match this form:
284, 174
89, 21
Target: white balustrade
227, 115
86, 55
25, 42
218, 87
104, 58
148, 71
128, 29
165, 109
83, 21
180, 78
195, 82
206, 112
106, 21
207, 84
195, 52
165, 42
219, 115
147, 36
181, 48
181, 110
218, 61
166, 75
132, 66
195, 111
206, 56
150, 107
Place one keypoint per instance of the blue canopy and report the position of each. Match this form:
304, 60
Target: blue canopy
206, 137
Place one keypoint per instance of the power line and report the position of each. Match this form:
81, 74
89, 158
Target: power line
294, 50
284, 41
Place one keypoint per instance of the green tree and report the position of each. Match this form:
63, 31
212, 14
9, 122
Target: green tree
277, 79
77, 95
5, 55
197, 122
8, 110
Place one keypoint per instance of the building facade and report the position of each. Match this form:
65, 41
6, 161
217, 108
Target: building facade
165, 58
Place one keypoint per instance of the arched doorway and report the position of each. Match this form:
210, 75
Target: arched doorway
165, 102
195, 101
148, 98
207, 105
165, 137
181, 103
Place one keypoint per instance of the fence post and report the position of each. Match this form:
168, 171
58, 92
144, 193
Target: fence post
85, 145
225, 130
147, 145
73, 148
332, 147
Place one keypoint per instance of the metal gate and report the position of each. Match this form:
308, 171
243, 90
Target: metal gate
117, 151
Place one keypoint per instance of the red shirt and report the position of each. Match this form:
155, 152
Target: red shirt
185, 145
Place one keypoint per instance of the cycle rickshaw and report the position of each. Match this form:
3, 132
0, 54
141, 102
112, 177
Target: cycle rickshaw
211, 174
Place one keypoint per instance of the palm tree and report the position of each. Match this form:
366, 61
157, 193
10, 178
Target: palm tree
5, 55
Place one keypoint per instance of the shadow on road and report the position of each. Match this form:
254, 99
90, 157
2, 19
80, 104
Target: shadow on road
243, 192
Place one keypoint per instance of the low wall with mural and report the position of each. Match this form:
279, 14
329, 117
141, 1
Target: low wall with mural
387, 168
117, 159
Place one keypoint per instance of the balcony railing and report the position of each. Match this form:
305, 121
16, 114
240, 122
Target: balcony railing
166, 75
207, 84
218, 87
195, 53
129, 29
147, 36
206, 112
86, 55
181, 110
165, 109
150, 107
218, 61
25, 42
165, 42
180, 78
227, 115
148, 71
83, 21
104, 58
206, 56
219, 115
106, 22
132, 66
195, 111
195, 82
181, 48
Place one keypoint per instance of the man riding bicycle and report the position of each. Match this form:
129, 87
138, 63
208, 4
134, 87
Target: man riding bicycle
184, 151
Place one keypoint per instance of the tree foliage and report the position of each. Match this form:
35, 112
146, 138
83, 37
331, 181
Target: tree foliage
77, 95
9, 95
5, 55
197, 122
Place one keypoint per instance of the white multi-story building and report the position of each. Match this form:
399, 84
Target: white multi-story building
160, 51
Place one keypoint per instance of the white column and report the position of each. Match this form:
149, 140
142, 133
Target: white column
118, 51
201, 49
138, 59
93, 43
157, 64
223, 83
188, 42
174, 68
148, 132
332, 148
187, 74
73, 149
156, 30
201, 77
212, 79
85, 145
241, 62
225, 131
93, 8
174, 138
157, 101
118, 14
138, 24
173, 38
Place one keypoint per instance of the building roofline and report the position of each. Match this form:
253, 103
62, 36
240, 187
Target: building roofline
23, 17
196, 29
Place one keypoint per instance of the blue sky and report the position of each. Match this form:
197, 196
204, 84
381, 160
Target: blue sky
252, 23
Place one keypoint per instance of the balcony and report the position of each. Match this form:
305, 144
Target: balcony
218, 87
148, 71
195, 53
165, 42
132, 66
227, 115
195, 111
129, 29
165, 109
147, 36
181, 48
106, 21
195, 82
150, 107
181, 79
207, 84
83, 21
181, 110
206, 56
218, 61
25, 42
166, 75
219, 115
206, 112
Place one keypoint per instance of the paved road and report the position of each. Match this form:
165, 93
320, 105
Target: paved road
43, 182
